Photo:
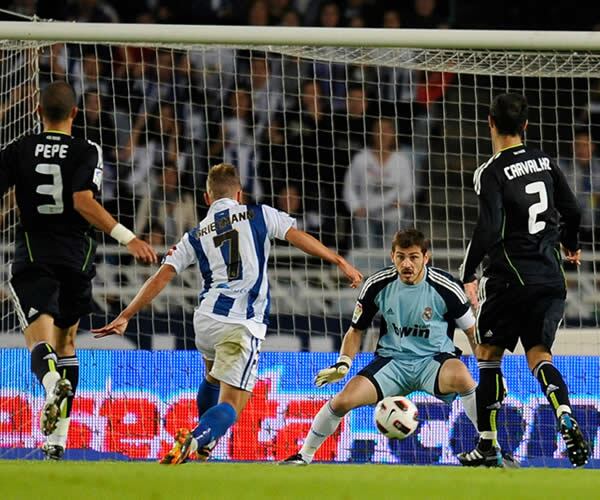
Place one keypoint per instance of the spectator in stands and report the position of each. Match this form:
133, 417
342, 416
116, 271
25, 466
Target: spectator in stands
275, 168
93, 11
379, 188
265, 89
277, 10
391, 19
238, 119
289, 200
258, 13
168, 206
426, 15
291, 17
88, 74
95, 125
331, 75
155, 142
583, 175
351, 127
53, 64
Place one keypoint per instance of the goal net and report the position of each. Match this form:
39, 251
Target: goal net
355, 142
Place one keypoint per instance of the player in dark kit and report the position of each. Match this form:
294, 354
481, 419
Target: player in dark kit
56, 179
526, 213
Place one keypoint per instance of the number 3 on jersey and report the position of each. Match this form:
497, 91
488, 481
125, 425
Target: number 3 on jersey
538, 188
232, 259
55, 189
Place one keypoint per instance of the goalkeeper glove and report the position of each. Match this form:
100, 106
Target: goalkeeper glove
335, 372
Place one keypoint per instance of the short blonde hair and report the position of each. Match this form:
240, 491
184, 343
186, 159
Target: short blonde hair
223, 181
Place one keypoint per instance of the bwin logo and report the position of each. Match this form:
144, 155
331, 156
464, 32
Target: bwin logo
414, 331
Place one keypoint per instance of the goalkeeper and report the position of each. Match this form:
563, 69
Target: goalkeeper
420, 307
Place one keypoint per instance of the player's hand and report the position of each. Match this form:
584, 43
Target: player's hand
353, 274
335, 372
471, 293
573, 257
142, 251
116, 327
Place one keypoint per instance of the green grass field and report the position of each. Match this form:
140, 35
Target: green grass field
107, 480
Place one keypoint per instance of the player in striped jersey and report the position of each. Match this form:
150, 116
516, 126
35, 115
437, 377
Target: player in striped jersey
231, 247
420, 307
57, 178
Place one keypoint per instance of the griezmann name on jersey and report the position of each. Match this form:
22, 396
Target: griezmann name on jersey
231, 247
46, 169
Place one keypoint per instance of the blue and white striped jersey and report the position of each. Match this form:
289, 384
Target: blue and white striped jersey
231, 247
419, 320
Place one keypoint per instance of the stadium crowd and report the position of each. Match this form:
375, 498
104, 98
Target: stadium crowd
343, 148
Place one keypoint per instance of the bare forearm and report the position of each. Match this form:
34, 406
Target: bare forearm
312, 246
470, 333
153, 286
96, 215
351, 343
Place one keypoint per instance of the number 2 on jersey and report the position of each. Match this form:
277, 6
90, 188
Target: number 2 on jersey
540, 207
233, 262
55, 189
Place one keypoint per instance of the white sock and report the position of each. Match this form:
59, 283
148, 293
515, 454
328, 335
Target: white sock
469, 403
59, 436
323, 426
49, 381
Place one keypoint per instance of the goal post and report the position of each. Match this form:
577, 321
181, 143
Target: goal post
303, 113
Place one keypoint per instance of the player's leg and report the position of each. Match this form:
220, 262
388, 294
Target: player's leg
208, 392
235, 351
359, 391
497, 330
34, 292
206, 398
381, 377
537, 341
68, 368
453, 377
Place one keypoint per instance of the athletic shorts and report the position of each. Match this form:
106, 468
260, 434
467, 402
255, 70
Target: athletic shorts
232, 349
509, 313
399, 377
63, 293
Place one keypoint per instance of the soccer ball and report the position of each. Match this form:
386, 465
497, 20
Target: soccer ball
396, 417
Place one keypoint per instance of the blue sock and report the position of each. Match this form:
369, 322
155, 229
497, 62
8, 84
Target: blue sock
207, 397
214, 423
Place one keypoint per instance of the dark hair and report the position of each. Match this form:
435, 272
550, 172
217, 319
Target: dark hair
406, 238
57, 100
509, 113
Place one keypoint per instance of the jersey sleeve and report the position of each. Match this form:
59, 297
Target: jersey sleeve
278, 223
568, 207
87, 175
365, 309
181, 256
8, 158
451, 291
488, 229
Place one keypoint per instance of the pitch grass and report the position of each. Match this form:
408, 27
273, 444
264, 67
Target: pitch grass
236, 481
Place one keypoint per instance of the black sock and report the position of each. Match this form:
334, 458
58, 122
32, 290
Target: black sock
43, 360
68, 367
553, 385
490, 393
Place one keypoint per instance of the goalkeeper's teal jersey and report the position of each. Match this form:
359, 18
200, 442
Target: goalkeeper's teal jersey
417, 320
